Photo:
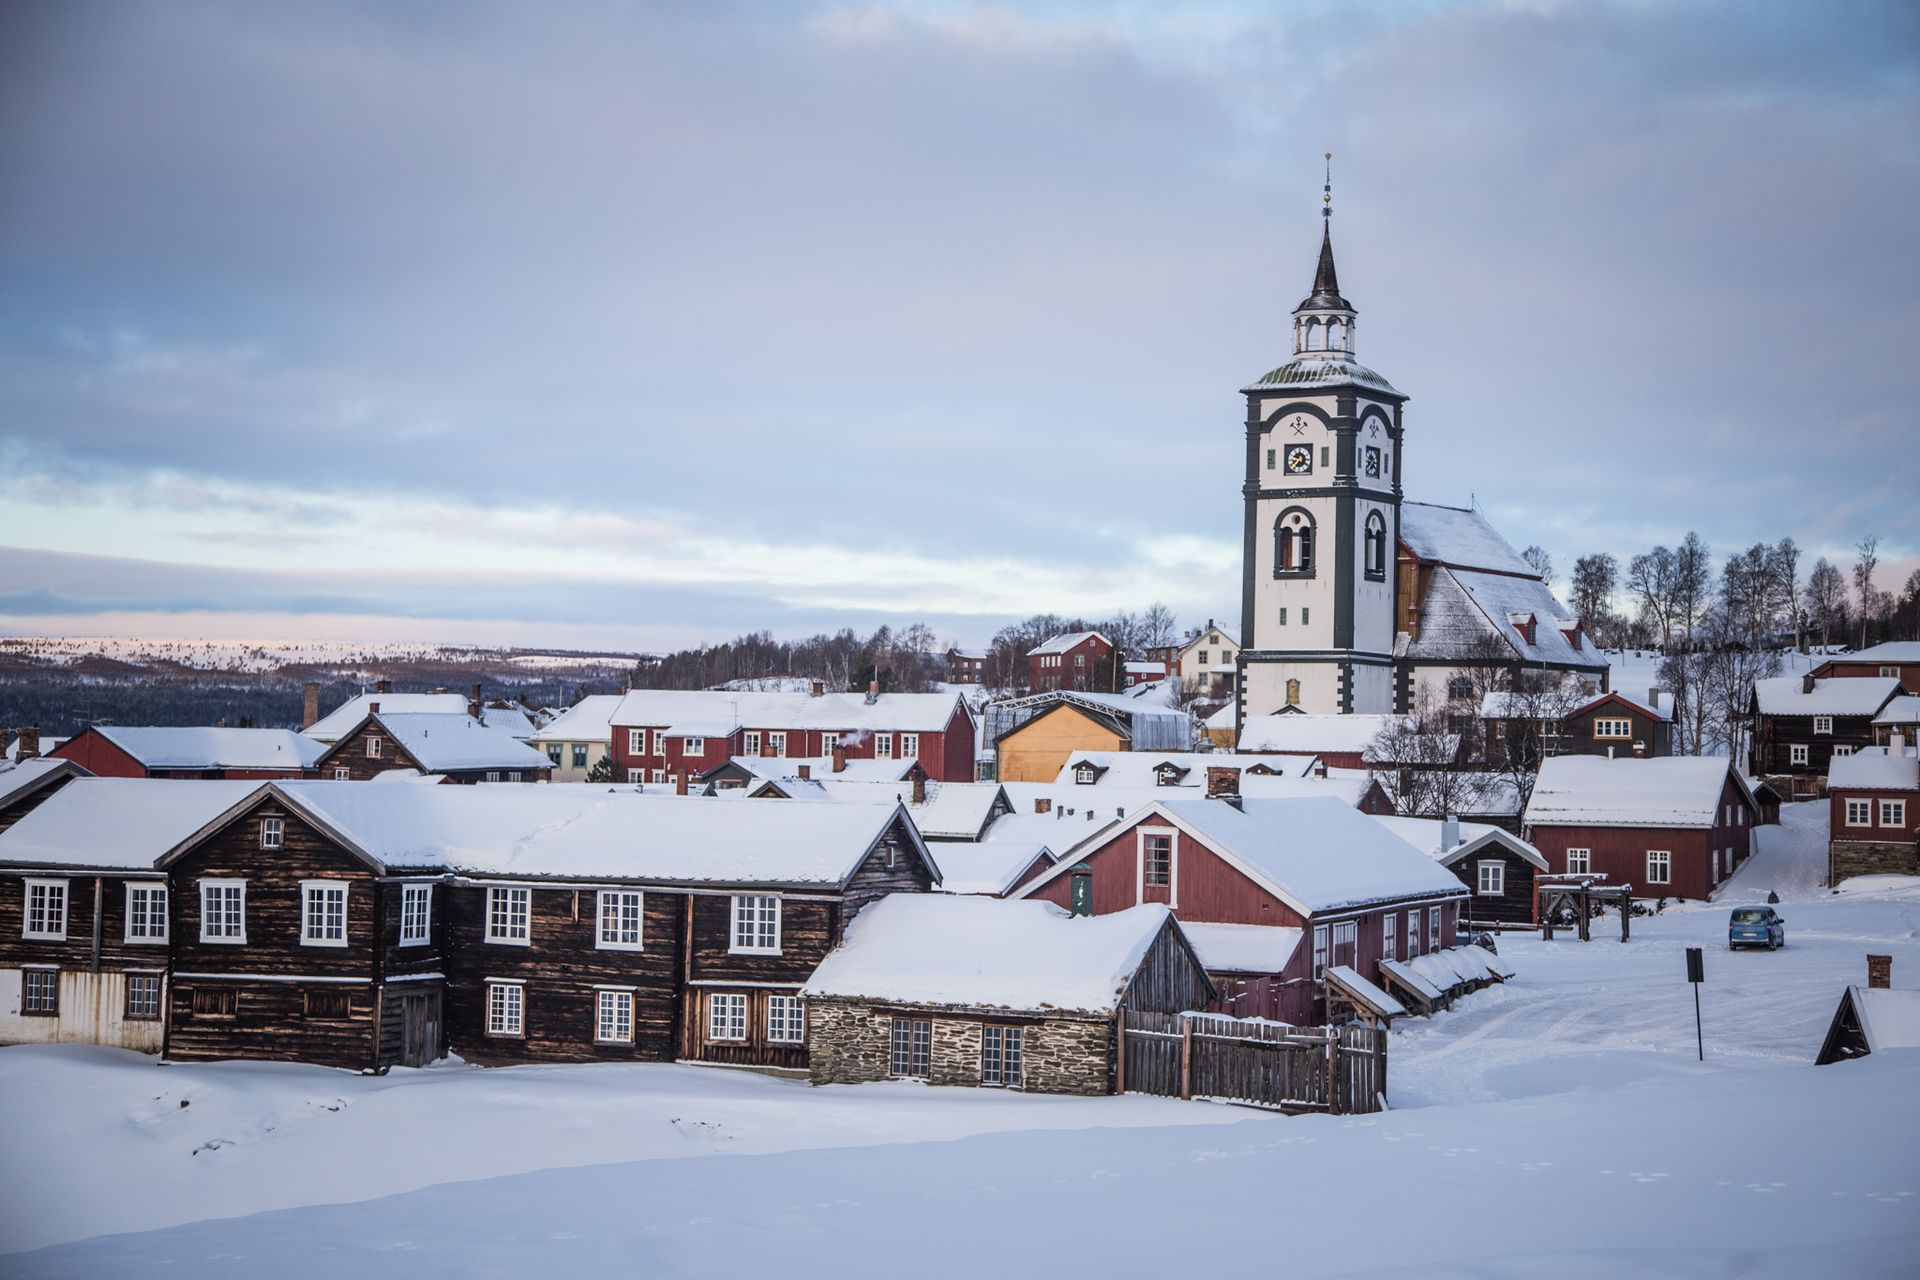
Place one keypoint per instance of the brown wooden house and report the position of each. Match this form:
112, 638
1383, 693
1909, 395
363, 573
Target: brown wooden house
455, 747
1800, 723
979, 992
1499, 869
26, 786
1874, 796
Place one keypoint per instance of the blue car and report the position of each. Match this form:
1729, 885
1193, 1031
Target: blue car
1756, 927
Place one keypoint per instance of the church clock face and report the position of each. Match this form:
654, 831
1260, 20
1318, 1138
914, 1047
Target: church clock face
1299, 460
1373, 461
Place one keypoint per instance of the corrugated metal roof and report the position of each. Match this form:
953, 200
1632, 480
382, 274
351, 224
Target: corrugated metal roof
1320, 373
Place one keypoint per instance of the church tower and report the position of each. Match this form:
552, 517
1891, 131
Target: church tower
1322, 498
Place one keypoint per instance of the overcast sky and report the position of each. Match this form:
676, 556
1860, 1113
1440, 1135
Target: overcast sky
605, 324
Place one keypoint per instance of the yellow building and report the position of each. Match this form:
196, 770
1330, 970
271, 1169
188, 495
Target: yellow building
1044, 729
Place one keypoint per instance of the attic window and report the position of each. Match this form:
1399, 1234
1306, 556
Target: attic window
1084, 775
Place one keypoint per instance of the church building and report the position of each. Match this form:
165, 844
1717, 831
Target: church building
1352, 597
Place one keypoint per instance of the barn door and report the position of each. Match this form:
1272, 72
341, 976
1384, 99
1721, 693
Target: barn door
419, 1028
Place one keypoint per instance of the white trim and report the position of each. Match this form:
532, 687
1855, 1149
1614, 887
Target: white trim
231, 940
512, 1023
1893, 813
50, 885
600, 942
713, 1004
512, 982
739, 983
1667, 876
426, 914
733, 926
618, 996
126, 916
274, 977
799, 1013
1499, 877
1140, 863
273, 832
415, 977
325, 888
508, 939
1866, 813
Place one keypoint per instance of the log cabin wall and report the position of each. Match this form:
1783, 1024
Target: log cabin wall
1514, 904
894, 865
350, 754
272, 996
92, 964
1169, 979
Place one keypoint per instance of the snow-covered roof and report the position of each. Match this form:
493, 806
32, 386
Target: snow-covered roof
1146, 668
1904, 709
1068, 640
987, 867
194, 747
1359, 990
1299, 734
1891, 653
976, 655
1834, 696
1889, 1017
1348, 786
1150, 723
1428, 836
12, 753
517, 721
844, 712
1202, 636
785, 769
1464, 606
936, 949
951, 811
596, 833
1316, 372
1243, 948
1660, 791
445, 743
1875, 769
1460, 538
346, 717
17, 780
1128, 769
118, 823
588, 720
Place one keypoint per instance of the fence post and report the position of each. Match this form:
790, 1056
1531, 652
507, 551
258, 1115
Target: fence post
1186, 1056
1120, 1049
1334, 1082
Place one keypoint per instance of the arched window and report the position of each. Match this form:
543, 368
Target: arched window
1293, 693
1293, 544
1336, 335
1376, 547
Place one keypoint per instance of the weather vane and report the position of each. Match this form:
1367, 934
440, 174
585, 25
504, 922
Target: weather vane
1326, 192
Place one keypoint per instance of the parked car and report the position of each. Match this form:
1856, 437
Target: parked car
1756, 927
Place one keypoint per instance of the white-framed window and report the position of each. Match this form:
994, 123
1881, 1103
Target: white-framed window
883, 746
1156, 859
341, 773
271, 833
756, 923
1797, 753
693, 747
1493, 880
660, 742
1001, 1051
829, 739
1659, 866
143, 997
40, 992
909, 746
1085, 776
912, 1048
1859, 813
636, 742
1842, 749
1319, 950
1823, 724
506, 1008
416, 914
750, 742
786, 1020
1346, 943
146, 912
1889, 671
513, 775
223, 911
376, 746
636, 775
1413, 933
323, 913
46, 915
554, 753
509, 916
493, 775
620, 915
1433, 928
1893, 813
579, 756
726, 1016
657, 775
613, 1016
777, 741
1579, 862
1390, 936
1604, 727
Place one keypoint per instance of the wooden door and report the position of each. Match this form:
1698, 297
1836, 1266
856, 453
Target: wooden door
419, 1028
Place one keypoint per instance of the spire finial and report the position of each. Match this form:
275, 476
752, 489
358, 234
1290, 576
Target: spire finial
1326, 192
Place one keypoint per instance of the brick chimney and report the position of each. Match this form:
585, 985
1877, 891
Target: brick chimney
873, 692
806, 773
383, 686
310, 705
1043, 805
1222, 780
1319, 768
1806, 683
679, 784
819, 688
373, 708
839, 758
474, 707
1880, 971
30, 742
919, 787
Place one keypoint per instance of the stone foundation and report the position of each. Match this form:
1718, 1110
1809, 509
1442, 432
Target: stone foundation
1847, 858
851, 1042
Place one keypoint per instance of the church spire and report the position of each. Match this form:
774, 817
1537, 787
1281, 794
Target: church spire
1323, 323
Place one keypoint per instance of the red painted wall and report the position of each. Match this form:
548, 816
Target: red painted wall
1067, 676
945, 754
90, 749
1620, 853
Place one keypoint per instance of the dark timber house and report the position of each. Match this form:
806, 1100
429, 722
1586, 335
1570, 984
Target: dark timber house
458, 748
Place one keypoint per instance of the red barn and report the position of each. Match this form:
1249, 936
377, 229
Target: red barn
1899, 659
127, 751
1073, 661
1307, 884
1672, 826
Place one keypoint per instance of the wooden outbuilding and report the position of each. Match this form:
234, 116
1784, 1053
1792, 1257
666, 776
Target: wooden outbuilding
1872, 1018
166, 751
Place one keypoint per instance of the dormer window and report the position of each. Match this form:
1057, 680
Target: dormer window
1085, 775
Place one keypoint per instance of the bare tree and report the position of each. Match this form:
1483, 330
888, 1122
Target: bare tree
1526, 726
1594, 580
1415, 759
1786, 581
1826, 599
1683, 675
1692, 582
1863, 567
1536, 555
1727, 668
1650, 577
1159, 628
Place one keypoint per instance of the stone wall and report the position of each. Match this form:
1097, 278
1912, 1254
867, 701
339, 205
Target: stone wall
1847, 858
851, 1042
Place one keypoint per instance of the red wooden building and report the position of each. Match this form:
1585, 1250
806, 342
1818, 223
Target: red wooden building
1897, 658
1078, 661
1875, 821
1312, 883
1672, 827
166, 751
660, 735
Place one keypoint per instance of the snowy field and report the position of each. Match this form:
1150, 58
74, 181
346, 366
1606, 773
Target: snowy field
1559, 1125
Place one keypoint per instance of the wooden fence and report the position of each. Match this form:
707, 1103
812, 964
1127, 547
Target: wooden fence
1339, 1070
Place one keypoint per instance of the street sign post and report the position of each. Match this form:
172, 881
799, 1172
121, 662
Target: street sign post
1696, 974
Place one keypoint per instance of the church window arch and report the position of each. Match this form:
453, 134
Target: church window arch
1295, 544
1376, 546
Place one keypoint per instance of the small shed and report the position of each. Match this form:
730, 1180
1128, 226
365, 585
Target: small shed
974, 991
1872, 1018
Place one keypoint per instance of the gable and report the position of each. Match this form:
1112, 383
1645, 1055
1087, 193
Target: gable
232, 844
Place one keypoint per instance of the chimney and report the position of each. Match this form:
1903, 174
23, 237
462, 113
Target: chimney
29, 743
383, 686
919, 787
1880, 971
1043, 805
474, 707
679, 784
1222, 781
310, 705
1806, 683
766, 746
819, 688
373, 708
1653, 699
1319, 768
873, 692
839, 758
1896, 743
1449, 832
806, 773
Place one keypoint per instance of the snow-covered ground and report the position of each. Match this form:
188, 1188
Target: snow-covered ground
1559, 1125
